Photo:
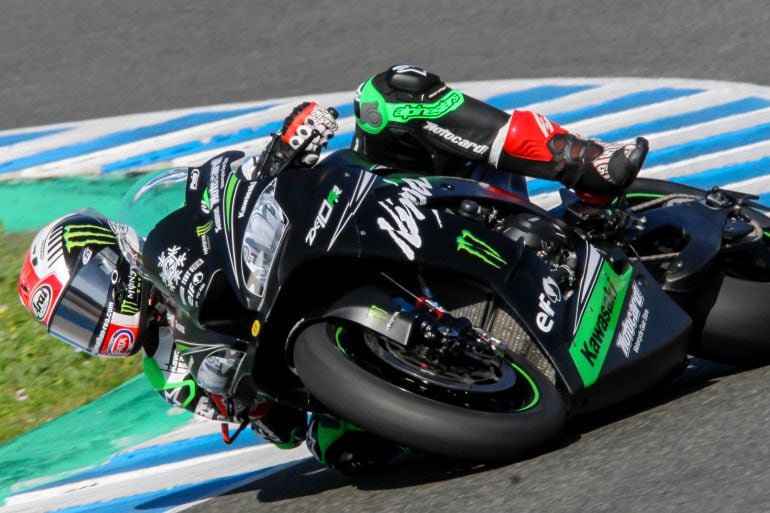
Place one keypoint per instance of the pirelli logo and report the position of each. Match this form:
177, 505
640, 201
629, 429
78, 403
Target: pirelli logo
81, 235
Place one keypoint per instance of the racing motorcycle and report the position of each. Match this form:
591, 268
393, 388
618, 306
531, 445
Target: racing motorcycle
450, 315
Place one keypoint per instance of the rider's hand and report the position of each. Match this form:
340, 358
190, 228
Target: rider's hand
309, 127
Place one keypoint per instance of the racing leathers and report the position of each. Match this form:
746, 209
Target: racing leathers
406, 117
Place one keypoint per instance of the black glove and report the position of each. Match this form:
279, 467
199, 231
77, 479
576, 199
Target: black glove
300, 141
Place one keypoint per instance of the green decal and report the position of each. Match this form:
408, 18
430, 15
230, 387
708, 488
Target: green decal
206, 201
159, 383
535, 390
203, 229
333, 196
229, 189
597, 326
80, 235
376, 112
480, 249
181, 347
378, 314
128, 307
329, 431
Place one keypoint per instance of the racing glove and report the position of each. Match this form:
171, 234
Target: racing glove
304, 134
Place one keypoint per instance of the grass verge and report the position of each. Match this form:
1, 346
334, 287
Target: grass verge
42, 378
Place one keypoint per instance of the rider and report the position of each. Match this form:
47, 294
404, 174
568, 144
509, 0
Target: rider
76, 279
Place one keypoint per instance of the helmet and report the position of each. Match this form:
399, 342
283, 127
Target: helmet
76, 283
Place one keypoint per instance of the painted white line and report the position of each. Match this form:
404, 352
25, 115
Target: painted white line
708, 161
711, 128
152, 479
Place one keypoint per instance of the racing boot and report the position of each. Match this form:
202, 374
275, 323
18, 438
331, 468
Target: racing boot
282, 426
535, 146
347, 448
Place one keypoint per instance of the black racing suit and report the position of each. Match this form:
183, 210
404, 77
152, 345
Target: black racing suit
408, 118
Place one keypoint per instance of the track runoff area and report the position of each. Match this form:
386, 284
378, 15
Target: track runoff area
701, 133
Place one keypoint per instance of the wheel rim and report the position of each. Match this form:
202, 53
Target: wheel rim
505, 387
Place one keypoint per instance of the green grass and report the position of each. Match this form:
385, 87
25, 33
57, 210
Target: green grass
42, 378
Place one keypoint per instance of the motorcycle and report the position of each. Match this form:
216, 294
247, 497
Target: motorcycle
448, 315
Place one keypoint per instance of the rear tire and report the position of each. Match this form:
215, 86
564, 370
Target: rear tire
372, 402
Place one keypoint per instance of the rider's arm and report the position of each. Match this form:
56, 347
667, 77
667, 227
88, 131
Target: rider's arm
406, 116
170, 376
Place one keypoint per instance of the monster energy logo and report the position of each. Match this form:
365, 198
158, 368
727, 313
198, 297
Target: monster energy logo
81, 235
378, 314
480, 249
129, 307
203, 229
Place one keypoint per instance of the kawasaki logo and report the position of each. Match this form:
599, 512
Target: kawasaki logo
471, 244
593, 345
597, 325
81, 235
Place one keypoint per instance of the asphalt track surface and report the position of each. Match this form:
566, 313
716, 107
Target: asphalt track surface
697, 444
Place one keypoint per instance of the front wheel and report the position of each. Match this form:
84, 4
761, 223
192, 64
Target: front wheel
472, 410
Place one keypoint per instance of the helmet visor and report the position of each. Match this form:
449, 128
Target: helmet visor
87, 303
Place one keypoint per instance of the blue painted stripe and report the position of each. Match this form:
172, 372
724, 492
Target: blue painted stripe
123, 137
217, 142
715, 143
715, 112
629, 101
541, 186
164, 500
764, 198
727, 174
7, 140
539, 94
160, 455
340, 141
705, 179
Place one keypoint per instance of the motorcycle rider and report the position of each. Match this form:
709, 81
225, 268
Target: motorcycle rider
78, 283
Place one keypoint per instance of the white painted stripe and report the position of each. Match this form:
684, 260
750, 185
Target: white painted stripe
708, 161
704, 130
152, 479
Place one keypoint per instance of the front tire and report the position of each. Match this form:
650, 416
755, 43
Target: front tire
402, 415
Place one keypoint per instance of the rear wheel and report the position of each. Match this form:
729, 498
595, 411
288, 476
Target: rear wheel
469, 407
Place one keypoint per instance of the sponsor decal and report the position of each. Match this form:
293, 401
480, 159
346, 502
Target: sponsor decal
86, 257
408, 111
121, 343
378, 313
544, 124
246, 198
105, 324
597, 327
363, 186
81, 235
41, 301
202, 233
403, 225
256, 327
448, 135
194, 178
324, 213
631, 333
170, 264
473, 245
130, 304
550, 296
206, 202
190, 284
